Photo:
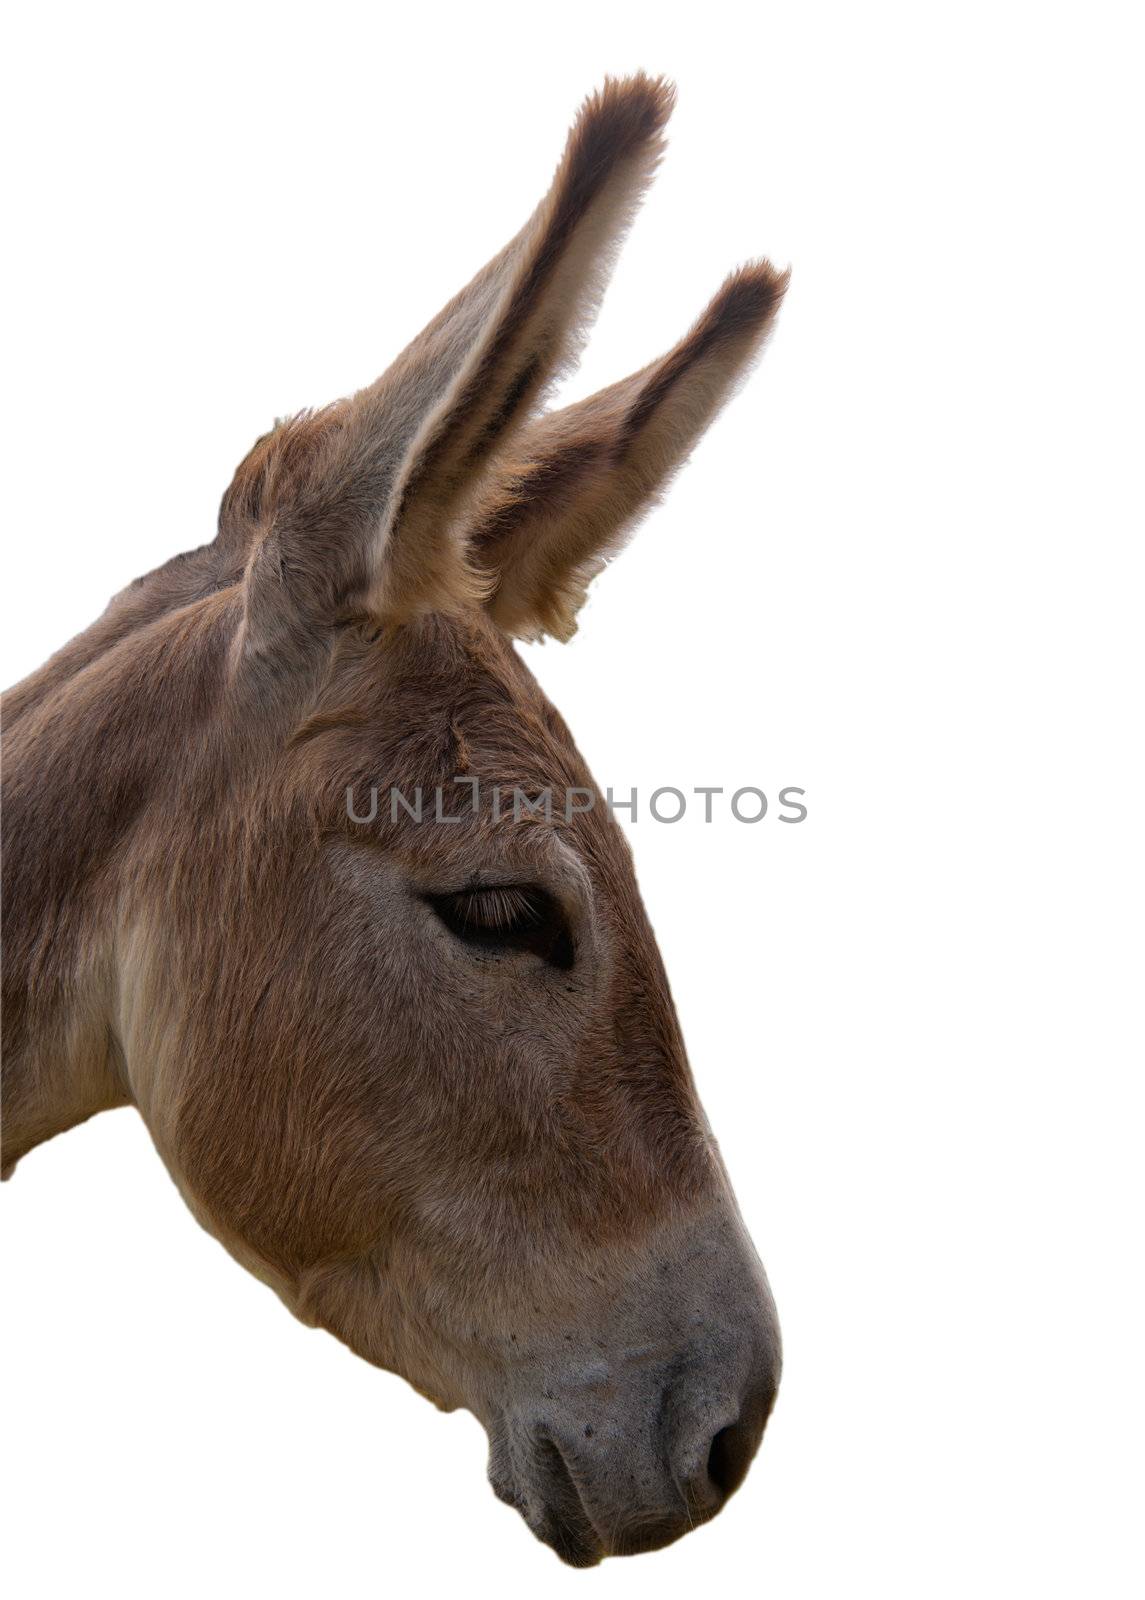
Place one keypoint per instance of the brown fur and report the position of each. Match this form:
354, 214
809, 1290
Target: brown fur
444, 1158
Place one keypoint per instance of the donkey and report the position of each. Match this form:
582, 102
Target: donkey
426, 1082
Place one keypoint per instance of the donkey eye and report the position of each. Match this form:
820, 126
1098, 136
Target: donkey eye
508, 917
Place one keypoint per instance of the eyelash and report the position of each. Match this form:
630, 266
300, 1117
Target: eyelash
508, 916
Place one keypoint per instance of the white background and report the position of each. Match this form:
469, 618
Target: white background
902, 572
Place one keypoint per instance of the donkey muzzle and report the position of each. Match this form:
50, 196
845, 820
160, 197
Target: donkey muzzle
624, 1436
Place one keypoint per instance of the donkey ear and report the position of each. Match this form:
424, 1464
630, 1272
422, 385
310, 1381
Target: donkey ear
357, 510
581, 478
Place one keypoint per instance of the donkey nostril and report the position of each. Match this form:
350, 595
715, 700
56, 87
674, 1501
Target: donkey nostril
733, 1448
728, 1460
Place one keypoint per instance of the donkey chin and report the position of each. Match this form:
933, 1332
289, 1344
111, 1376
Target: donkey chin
427, 1081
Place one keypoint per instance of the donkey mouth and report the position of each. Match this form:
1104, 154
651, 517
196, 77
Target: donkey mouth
555, 1510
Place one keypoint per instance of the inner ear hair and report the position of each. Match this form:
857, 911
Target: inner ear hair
579, 479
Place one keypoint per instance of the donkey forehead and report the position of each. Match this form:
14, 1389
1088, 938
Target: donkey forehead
438, 736
443, 697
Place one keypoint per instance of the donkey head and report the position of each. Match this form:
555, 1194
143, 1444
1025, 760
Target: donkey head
425, 1077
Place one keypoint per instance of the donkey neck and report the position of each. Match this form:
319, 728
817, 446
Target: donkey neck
91, 742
